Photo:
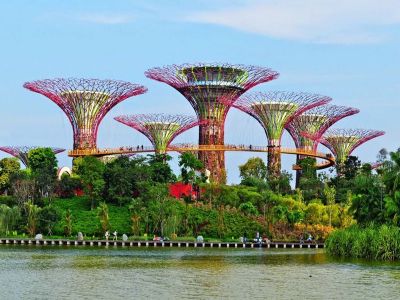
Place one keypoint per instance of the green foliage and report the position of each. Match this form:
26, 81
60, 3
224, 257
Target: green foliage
371, 242
310, 184
102, 213
330, 193
119, 177
48, 216
367, 202
189, 164
23, 187
9, 218
253, 168
32, 212
91, 171
68, 185
43, 164
8, 167
161, 172
248, 208
280, 184
68, 223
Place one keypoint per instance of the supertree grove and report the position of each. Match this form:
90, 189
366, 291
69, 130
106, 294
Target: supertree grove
160, 129
314, 123
21, 152
342, 142
208, 88
274, 110
85, 102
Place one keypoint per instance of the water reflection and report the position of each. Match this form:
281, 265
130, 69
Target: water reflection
87, 273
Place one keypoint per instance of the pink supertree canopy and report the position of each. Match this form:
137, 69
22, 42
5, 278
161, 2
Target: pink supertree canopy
342, 142
85, 102
160, 129
211, 89
274, 110
309, 126
21, 152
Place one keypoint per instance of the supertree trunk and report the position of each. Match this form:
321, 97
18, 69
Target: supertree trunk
274, 159
214, 161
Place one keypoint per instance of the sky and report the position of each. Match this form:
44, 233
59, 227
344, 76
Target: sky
348, 50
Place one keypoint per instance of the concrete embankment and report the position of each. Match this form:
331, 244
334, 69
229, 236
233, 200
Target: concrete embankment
120, 243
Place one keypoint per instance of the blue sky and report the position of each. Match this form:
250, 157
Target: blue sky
348, 50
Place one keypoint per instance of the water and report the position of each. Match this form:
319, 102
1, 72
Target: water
33, 272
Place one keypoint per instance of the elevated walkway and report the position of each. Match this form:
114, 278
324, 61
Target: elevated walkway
329, 160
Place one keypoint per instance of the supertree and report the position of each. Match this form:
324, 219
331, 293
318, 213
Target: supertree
160, 129
342, 142
21, 152
314, 123
85, 102
207, 87
274, 110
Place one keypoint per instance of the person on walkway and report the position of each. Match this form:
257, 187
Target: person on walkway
115, 235
309, 239
107, 235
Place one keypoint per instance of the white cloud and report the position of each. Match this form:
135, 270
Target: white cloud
108, 19
319, 21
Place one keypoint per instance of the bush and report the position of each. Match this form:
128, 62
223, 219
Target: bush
371, 242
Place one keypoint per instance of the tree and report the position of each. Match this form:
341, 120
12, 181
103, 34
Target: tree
390, 175
189, 164
8, 167
161, 171
190, 170
351, 167
248, 208
68, 185
102, 213
280, 184
32, 217
90, 170
119, 180
68, 223
367, 203
330, 194
160, 206
43, 164
48, 217
135, 209
310, 184
9, 218
253, 168
23, 188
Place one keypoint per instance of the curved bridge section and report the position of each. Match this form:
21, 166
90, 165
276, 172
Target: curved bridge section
329, 160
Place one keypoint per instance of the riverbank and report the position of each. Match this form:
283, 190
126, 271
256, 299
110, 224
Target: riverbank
180, 244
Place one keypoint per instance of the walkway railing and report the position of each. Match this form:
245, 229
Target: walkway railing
329, 159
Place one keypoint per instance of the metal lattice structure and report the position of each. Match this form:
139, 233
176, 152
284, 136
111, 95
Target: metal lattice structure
342, 142
274, 110
85, 102
21, 152
307, 128
160, 129
209, 88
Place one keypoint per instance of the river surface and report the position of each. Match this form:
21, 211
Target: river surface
32, 272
